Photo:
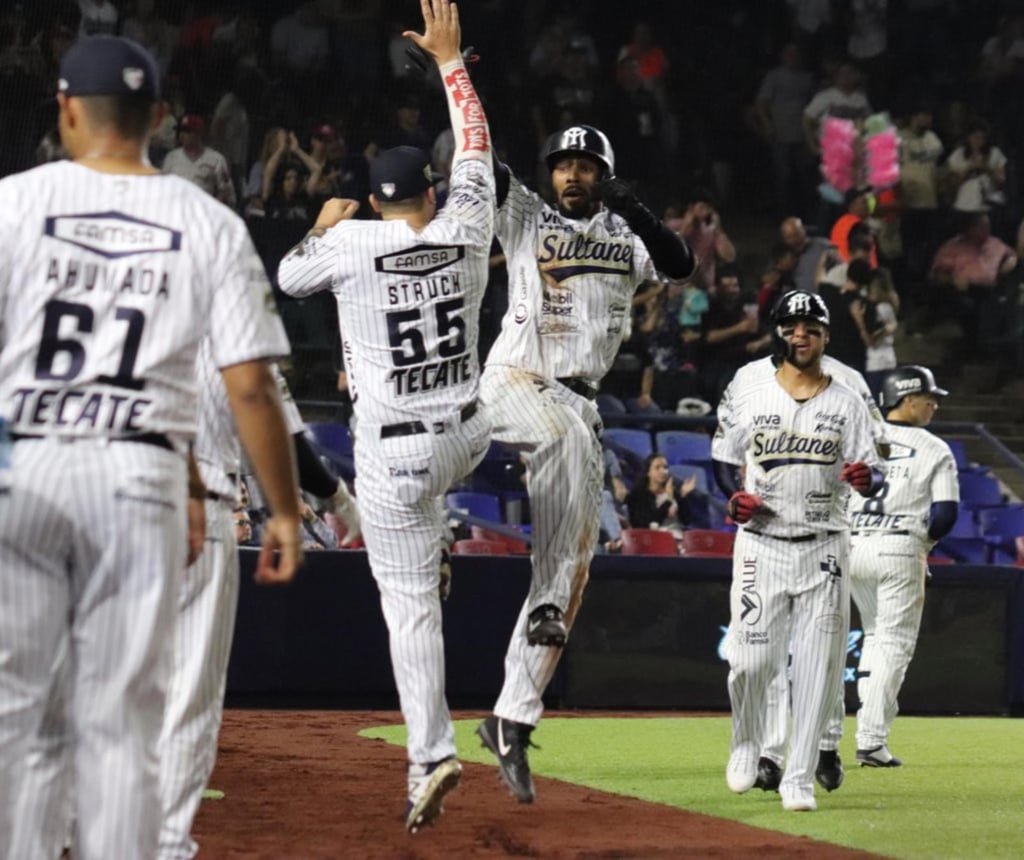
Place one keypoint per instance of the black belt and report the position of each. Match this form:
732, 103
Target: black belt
411, 428
579, 385
796, 539
903, 532
160, 440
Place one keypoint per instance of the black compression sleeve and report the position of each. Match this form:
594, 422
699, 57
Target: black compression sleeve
313, 475
941, 519
727, 476
669, 251
502, 180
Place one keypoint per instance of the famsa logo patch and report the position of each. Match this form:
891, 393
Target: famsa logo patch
112, 234
420, 259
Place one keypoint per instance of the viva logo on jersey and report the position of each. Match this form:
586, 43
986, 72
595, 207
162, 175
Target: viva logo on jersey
112, 234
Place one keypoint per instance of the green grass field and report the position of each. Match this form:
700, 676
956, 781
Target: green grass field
960, 793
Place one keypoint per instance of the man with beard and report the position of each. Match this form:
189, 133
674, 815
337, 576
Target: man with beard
786, 444
573, 269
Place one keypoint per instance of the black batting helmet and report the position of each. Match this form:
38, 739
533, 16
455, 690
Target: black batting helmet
908, 379
580, 138
800, 304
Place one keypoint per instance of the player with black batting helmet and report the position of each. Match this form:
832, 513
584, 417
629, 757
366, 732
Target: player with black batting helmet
798, 304
581, 139
908, 379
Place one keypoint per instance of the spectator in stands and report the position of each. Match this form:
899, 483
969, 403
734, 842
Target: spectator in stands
99, 18
881, 305
970, 267
632, 115
841, 291
844, 98
701, 226
920, 153
405, 126
978, 172
779, 108
671, 331
777, 280
859, 205
651, 60
229, 125
289, 162
195, 161
867, 41
274, 139
613, 499
731, 334
567, 97
300, 48
656, 503
151, 31
809, 251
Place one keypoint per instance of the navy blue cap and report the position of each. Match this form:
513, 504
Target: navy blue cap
401, 173
108, 66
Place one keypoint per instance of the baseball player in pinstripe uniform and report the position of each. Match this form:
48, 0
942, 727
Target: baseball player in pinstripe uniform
893, 531
829, 771
111, 276
796, 438
409, 291
572, 272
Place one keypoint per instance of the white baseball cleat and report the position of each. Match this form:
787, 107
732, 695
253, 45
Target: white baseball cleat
795, 799
741, 773
428, 785
877, 757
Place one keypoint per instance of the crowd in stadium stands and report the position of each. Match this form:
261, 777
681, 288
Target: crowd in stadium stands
712, 108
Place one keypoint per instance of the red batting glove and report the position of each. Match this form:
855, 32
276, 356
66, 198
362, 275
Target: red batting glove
743, 505
857, 475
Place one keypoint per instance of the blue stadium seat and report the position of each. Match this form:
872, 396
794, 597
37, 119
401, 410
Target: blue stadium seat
683, 446
963, 550
609, 404
683, 471
1000, 527
966, 526
331, 436
959, 449
483, 505
625, 439
979, 490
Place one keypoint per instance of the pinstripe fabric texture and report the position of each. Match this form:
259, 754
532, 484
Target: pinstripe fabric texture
777, 699
108, 284
409, 309
888, 569
84, 521
790, 597
201, 645
571, 284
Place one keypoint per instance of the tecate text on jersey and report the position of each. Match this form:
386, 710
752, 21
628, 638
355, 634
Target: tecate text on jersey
432, 375
79, 410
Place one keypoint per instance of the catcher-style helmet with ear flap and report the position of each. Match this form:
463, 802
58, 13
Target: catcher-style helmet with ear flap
580, 138
908, 379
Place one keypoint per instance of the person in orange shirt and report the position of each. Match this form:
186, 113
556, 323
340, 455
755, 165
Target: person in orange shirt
859, 203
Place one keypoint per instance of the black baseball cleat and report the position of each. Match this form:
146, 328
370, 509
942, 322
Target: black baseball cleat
878, 757
769, 775
829, 771
509, 741
546, 627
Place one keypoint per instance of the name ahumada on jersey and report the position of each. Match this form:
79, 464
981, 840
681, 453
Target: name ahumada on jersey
104, 306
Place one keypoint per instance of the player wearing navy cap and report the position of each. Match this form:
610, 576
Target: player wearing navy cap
110, 276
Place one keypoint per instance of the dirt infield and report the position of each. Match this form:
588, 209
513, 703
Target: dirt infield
303, 785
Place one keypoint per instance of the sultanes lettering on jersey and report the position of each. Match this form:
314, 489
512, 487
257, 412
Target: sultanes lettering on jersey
112, 234
561, 257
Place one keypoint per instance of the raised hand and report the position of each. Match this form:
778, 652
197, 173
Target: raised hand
442, 34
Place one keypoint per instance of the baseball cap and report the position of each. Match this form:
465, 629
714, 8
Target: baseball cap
325, 131
191, 122
108, 66
401, 173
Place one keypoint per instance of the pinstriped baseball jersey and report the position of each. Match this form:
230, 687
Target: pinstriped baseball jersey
794, 452
919, 470
571, 284
100, 338
404, 299
216, 448
764, 368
